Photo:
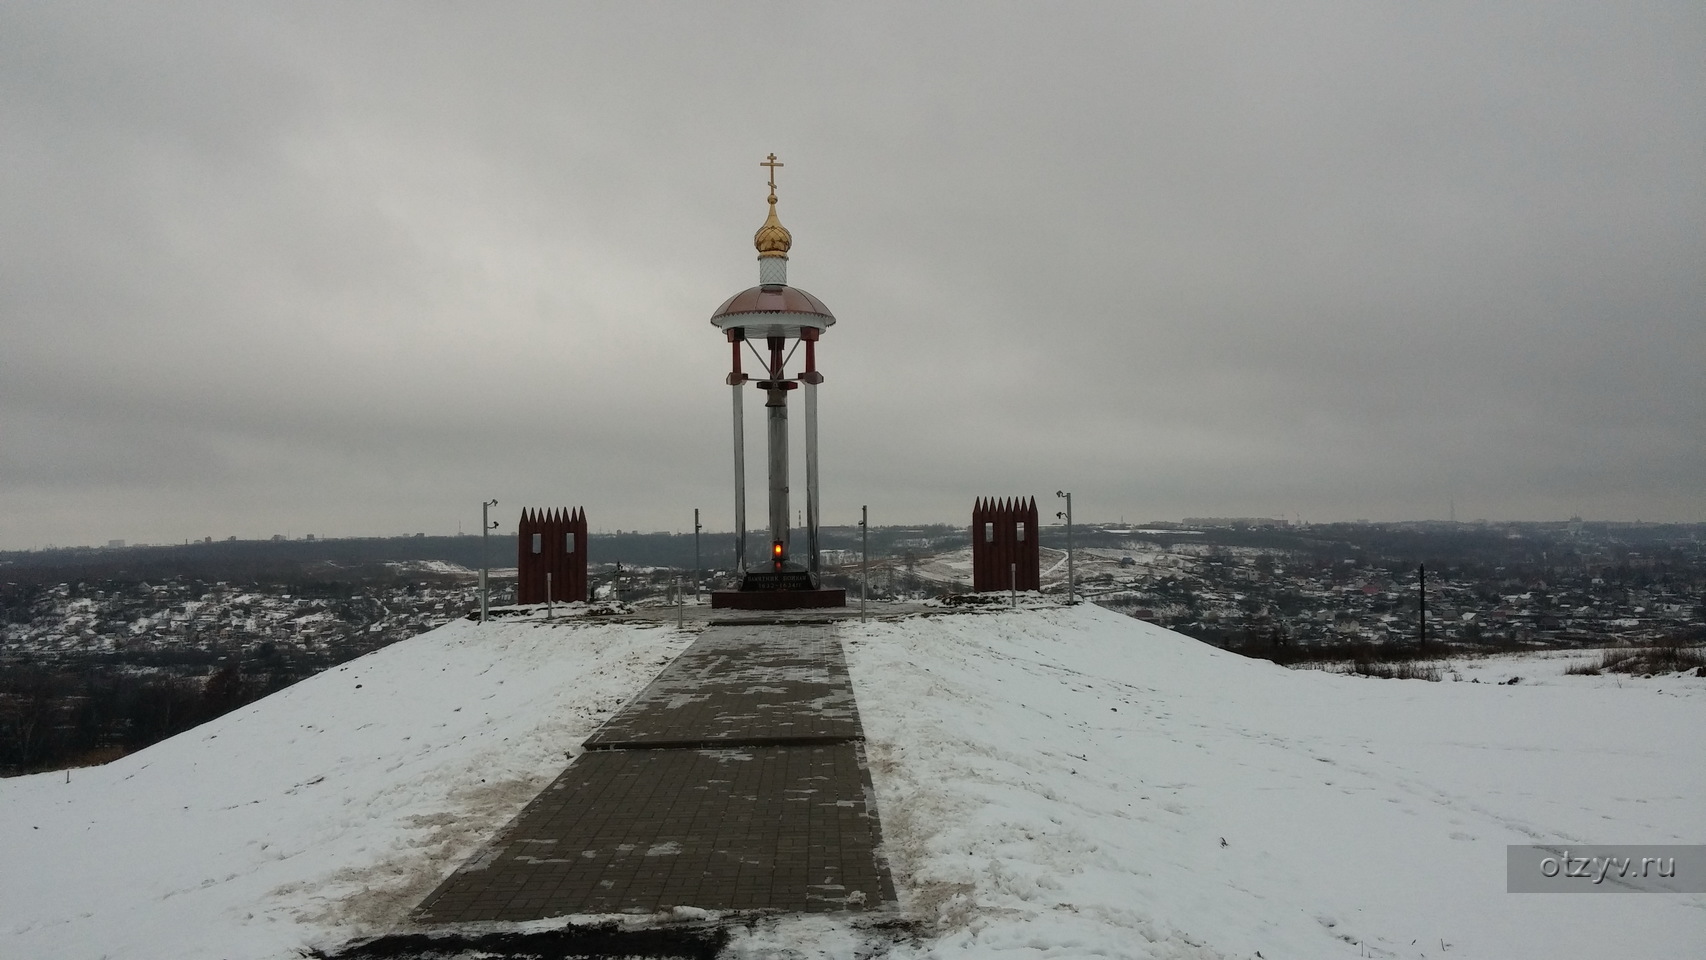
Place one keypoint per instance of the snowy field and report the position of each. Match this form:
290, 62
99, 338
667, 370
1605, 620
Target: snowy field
324, 811
1052, 782
1071, 782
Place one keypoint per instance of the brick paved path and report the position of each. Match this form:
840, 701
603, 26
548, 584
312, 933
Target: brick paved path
747, 685
735, 781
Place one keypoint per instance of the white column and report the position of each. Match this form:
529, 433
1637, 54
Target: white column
811, 478
740, 484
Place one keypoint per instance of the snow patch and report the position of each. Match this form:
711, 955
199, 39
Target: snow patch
319, 813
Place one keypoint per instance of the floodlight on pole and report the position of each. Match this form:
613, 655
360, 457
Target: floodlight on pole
864, 557
1421, 606
1071, 580
486, 526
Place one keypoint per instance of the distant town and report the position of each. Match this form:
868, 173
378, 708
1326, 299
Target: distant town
105, 649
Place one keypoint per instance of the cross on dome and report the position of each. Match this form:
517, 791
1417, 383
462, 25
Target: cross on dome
772, 239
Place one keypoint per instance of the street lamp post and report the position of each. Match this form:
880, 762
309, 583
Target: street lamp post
486, 526
696, 577
864, 557
1421, 606
1071, 580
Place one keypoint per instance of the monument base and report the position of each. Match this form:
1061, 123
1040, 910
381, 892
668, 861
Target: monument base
813, 599
787, 578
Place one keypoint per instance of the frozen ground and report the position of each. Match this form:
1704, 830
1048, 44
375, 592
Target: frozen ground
1053, 783
1070, 782
326, 810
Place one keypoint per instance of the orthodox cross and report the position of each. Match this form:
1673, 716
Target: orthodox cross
772, 163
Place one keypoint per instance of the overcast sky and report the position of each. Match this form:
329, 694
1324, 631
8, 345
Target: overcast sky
349, 269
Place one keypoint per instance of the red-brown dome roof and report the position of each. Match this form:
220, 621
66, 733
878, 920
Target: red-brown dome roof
771, 298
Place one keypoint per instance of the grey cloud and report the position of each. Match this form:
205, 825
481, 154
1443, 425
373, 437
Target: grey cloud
353, 269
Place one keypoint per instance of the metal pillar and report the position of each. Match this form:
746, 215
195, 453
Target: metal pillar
811, 480
696, 575
1071, 580
864, 557
1421, 606
776, 406
486, 525
740, 483
776, 410
1071, 575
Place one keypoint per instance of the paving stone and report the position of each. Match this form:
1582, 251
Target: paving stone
772, 828
743, 684
735, 781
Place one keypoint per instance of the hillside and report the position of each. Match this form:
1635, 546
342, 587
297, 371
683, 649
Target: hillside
1059, 782
1051, 782
317, 812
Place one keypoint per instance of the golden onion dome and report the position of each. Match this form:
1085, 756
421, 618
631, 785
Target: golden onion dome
773, 239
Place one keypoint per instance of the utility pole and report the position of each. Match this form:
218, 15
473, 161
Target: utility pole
1421, 606
696, 577
486, 526
1071, 580
864, 557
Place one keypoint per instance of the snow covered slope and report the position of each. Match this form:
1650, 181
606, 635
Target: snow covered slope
1053, 783
316, 813
1060, 783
